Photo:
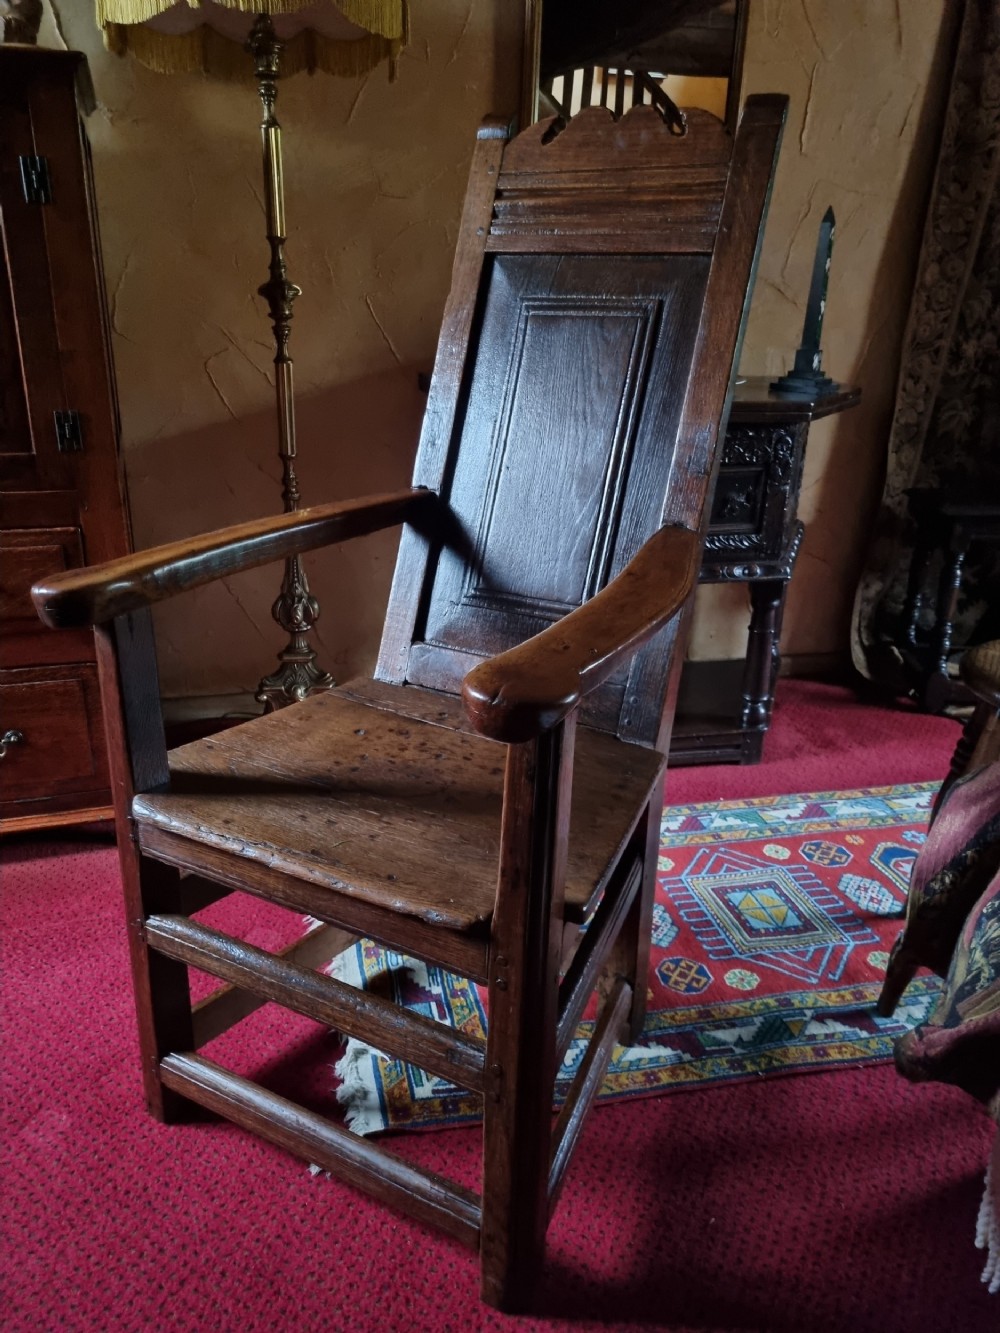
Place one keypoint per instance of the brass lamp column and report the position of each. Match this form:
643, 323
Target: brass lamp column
236, 40
295, 610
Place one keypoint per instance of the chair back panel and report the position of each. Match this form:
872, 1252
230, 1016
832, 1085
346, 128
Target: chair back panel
565, 390
565, 444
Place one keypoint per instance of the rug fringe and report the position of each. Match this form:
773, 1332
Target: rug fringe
357, 1093
988, 1222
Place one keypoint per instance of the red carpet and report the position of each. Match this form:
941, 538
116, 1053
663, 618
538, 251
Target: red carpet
823, 739
837, 1202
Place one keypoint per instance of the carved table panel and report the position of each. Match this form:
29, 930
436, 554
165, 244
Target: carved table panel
724, 708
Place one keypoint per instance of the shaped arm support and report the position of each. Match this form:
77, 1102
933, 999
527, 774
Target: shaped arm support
519, 694
99, 593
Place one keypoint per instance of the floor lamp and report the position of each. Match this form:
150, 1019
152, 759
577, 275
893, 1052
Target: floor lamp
264, 40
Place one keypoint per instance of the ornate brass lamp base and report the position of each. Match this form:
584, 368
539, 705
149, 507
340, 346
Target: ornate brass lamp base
298, 675
295, 610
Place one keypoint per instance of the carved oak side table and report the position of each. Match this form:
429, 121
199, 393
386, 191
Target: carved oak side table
724, 708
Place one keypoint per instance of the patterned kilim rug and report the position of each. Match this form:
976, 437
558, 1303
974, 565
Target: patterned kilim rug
771, 931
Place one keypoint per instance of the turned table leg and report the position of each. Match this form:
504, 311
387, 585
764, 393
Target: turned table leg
947, 603
920, 565
767, 604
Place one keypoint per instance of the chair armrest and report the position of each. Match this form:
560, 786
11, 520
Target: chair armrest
99, 593
527, 690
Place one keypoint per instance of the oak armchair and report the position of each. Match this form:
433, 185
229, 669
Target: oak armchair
515, 725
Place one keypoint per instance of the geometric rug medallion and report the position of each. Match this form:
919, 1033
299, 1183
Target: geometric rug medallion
771, 931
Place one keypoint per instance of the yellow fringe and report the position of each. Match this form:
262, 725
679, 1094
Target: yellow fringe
385, 18
206, 51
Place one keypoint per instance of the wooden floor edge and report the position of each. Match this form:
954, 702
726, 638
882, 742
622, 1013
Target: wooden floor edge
98, 814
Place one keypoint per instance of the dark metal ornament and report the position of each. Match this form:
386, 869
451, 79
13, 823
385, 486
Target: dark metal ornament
806, 378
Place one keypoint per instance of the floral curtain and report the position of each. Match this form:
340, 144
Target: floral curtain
946, 427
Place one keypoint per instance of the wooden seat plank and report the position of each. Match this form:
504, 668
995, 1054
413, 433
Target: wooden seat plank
380, 805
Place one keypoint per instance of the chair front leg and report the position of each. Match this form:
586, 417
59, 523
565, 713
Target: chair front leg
523, 1005
160, 984
137, 756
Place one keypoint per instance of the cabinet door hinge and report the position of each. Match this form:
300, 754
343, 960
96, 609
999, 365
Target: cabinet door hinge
36, 182
69, 432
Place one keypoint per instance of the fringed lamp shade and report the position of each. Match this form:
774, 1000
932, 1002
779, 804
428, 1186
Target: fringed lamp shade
345, 37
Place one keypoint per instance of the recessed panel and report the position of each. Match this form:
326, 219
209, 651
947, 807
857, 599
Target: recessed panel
562, 449
27, 556
56, 715
15, 433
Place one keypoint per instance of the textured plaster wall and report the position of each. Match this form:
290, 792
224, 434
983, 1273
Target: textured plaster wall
375, 177
866, 80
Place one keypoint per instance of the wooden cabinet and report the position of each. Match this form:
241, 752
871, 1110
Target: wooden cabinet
61, 489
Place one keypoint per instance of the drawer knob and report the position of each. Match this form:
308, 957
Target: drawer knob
8, 739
